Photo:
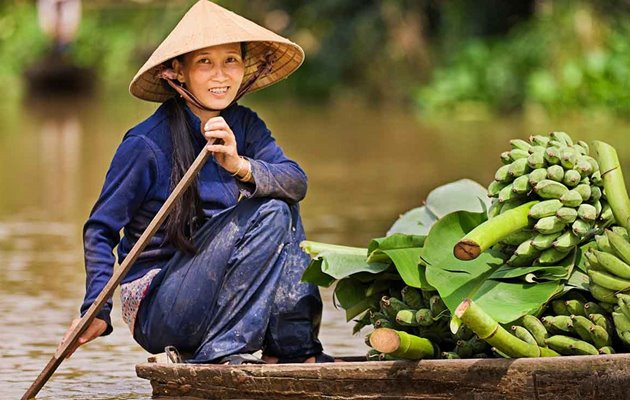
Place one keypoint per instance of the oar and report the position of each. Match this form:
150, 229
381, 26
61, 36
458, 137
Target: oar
117, 276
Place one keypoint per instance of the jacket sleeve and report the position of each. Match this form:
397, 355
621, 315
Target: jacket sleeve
127, 183
275, 175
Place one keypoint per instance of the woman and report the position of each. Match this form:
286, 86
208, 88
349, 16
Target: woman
221, 279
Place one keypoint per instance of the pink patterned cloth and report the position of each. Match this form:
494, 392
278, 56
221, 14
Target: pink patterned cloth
131, 293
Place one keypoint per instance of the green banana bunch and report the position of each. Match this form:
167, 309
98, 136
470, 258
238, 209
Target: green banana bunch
608, 266
560, 173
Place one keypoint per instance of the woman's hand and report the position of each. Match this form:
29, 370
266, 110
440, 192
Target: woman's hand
224, 149
96, 329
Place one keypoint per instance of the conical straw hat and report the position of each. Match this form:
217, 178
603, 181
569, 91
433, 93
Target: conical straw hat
207, 24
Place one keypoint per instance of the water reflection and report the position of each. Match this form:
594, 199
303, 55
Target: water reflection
365, 167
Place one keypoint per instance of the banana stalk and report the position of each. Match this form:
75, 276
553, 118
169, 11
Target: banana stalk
614, 185
494, 334
492, 232
401, 344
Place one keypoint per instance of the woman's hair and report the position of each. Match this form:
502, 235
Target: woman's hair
187, 212
180, 225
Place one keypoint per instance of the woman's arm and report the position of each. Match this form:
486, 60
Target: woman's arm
127, 183
274, 174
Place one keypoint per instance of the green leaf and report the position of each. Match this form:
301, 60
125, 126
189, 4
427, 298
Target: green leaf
352, 297
313, 274
456, 280
461, 195
336, 262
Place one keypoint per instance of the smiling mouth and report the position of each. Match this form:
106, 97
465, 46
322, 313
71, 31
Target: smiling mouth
219, 90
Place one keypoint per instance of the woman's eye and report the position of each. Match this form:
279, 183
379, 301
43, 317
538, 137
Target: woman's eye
232, 59
204, 61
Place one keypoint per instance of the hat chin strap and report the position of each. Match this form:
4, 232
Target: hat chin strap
170, 77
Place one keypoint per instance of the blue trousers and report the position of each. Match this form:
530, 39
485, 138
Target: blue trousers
240, 293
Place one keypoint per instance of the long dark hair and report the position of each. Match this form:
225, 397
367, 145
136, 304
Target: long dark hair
186, 212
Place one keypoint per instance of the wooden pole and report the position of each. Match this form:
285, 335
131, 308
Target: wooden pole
117, 276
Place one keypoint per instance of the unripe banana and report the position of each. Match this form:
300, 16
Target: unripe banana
587, 212
608, 281
537, 175
566, 345
543, 242
450, 355
580, 149
437, 307
516, 238
571, 198
406, 318
603, 244
548, 189
536, 160
548, 225
593, 308
506, 158
621, 231
584, 190
623, 303
593, 162
412, 297
559, 307
555, 173
620, 246
391, 305
520, 144
515, 201
539, 140
523, 334
551, 256
545, 208
567, 241
502, 174
561, 137
606, 215
518, 167
495, 187
625, 337
583, 167
585, 146
384, 323
507, 194
516, 154
521, 260
596, 179
600, 336
521, 185
606, 350
581, 326
536, 328
601, 320
571, 178
592, 259
552, 155
622, 323
537, 149
558, 323
601, 293
597, 204
568, 157
567, 215
575, 307
424, 317
495, 208
581, 228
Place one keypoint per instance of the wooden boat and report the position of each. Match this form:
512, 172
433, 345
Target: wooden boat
575, 377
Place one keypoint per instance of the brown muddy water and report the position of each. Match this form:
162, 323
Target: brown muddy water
365, 167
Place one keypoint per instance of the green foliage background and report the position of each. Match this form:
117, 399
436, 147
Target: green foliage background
437, 56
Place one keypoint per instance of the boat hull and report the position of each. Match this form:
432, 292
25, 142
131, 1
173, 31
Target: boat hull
576, 377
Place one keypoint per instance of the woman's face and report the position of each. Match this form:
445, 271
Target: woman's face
213, 74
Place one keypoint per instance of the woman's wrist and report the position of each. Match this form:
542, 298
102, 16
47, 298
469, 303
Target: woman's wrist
244, 171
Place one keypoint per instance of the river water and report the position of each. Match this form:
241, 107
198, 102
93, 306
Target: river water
366, 166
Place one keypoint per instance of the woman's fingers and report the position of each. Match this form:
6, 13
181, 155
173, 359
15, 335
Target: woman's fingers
96, 329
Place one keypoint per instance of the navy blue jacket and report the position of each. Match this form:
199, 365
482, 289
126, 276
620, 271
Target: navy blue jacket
138, 182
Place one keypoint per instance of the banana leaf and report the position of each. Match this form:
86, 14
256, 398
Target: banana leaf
461, 195
333, 262
456, 280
